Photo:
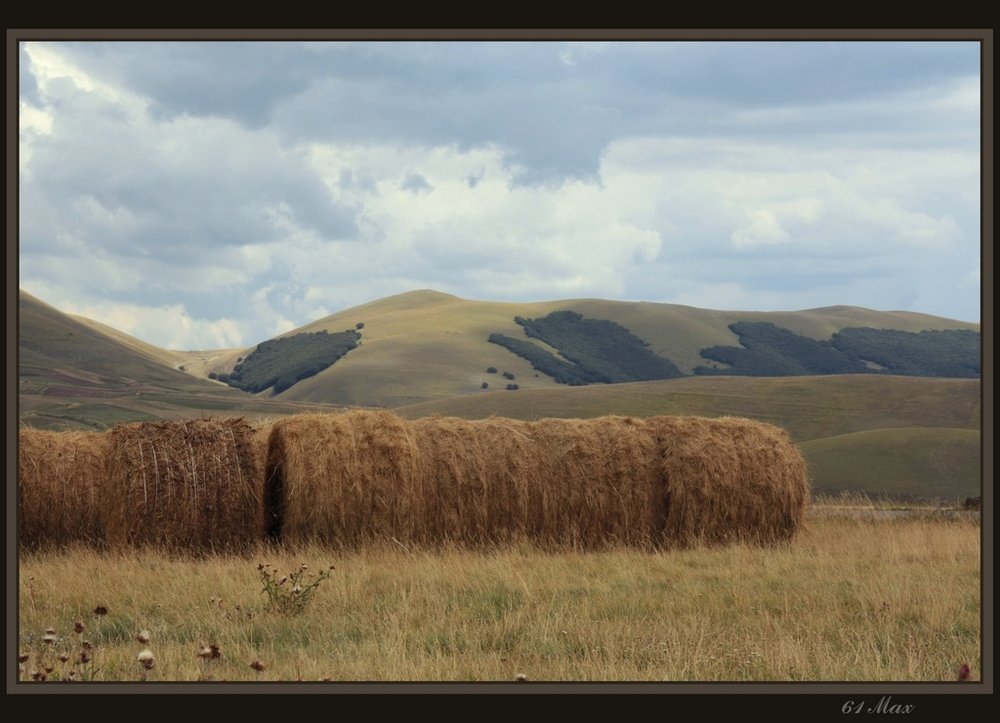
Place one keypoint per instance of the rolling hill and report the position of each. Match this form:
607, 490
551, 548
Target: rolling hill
424, 346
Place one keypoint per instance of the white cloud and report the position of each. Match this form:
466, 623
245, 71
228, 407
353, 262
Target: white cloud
763, 230
172, 327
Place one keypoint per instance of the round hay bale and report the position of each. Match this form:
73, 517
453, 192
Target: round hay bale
341, 479
598, 483
729, 480
510, 473
194, 486
60, 477
261, 438
358, 477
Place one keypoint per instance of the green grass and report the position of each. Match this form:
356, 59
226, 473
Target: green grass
942, 463
100, 416
808, 407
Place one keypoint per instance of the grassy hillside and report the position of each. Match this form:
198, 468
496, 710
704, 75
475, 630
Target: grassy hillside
78, 374
50, 340
808, 407
423, 346
920, 462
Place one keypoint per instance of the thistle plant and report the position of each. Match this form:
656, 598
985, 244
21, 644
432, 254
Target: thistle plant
289, 594
57, 658
208, 654
147, 662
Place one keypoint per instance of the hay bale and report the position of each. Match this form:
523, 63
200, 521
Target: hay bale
511, 477
340, 479
597, 483
729, 480
451, 477
59, 478
359, 477
194, 486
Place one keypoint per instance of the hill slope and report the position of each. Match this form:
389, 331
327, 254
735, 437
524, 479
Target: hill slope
808, 407
423, 346
918, 462
49, 341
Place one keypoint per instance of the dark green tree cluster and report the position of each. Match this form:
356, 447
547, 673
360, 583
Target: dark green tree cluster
562, 371
603, 348
281, 363
953, 353
770, 351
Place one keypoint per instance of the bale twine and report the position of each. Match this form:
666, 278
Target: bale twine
194, 486
340, 479
60, 476
729, 480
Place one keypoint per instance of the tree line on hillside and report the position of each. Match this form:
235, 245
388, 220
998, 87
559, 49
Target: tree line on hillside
770, 351
595, 351
280, 363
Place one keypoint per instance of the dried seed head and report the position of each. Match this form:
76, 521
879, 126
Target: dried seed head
79, 627
146, 659
100, 610
49, 638
258, 666
23, 658
87, 645
965, 672
85, 657
209, 652
521, 677
283, 580
143, 637
62, 657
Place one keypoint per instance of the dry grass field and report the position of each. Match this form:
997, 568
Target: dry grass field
846, 600
366, 547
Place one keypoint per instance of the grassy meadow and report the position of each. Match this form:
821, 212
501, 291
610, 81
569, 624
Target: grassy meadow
847, 600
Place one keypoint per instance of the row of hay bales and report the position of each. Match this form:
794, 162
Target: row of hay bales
185, 485
361, 477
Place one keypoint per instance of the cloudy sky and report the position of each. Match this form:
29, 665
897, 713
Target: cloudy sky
203, 195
